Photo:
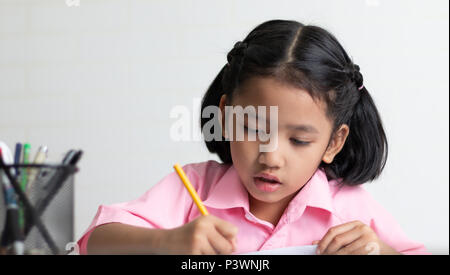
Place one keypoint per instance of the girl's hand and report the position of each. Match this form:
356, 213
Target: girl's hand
354, 238
204, 235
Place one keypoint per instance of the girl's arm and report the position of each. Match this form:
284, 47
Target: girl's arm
204, 235
118, 238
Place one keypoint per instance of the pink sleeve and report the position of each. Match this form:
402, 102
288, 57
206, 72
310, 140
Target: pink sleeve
358, 204
390, 232
166, 205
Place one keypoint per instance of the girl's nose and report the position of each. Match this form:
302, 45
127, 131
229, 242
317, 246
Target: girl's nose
271, 159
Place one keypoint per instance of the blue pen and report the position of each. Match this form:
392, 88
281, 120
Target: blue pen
17, 156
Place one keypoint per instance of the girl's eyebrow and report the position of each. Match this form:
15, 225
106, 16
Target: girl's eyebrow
303, 128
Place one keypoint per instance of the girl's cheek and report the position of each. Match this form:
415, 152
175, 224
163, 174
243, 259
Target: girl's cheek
244, 154
242, 148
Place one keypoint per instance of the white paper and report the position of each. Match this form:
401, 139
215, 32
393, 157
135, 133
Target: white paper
292, 250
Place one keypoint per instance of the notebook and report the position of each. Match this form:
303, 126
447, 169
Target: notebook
292, 250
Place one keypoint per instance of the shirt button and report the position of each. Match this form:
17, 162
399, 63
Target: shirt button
248, 217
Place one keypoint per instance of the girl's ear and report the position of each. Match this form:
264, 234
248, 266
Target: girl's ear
223, 100
336, 143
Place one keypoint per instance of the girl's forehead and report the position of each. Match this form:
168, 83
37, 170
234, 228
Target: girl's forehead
295, 105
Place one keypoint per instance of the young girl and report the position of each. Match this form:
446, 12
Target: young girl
330, 140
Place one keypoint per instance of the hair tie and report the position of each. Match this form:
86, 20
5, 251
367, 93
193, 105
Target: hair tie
240, 45
352, 71
238, 50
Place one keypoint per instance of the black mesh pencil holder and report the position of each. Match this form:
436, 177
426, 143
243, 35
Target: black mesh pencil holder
44, 197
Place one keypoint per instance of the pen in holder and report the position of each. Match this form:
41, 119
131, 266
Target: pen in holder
48, 181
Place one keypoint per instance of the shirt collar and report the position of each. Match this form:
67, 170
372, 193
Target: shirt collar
229, 192
315, 193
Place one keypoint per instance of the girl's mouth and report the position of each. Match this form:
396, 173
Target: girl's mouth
266, 182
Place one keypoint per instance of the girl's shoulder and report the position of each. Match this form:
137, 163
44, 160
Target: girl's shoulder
354, 203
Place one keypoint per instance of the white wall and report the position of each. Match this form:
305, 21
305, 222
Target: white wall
104, 75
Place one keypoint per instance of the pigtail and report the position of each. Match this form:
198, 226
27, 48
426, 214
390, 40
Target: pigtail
364, 154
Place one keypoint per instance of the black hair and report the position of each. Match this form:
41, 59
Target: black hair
312, 59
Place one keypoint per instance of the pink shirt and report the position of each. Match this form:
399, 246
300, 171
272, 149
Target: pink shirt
317, 207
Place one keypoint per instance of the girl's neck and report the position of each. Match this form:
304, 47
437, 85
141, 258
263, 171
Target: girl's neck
271, 212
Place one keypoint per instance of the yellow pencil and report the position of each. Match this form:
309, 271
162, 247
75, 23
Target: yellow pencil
191, 189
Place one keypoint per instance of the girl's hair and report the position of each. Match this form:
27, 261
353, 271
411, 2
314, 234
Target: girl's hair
310, 58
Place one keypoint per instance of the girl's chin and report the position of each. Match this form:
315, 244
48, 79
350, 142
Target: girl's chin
264, 198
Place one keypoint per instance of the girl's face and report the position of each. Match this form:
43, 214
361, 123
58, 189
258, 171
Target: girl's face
303, 137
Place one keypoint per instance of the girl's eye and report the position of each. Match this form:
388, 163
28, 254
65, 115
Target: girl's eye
293, 140
298, 142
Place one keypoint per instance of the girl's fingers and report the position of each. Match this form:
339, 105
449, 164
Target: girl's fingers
360, 247
353, 248
332, 233
220, 244
342, 240
225, 228
207, 249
